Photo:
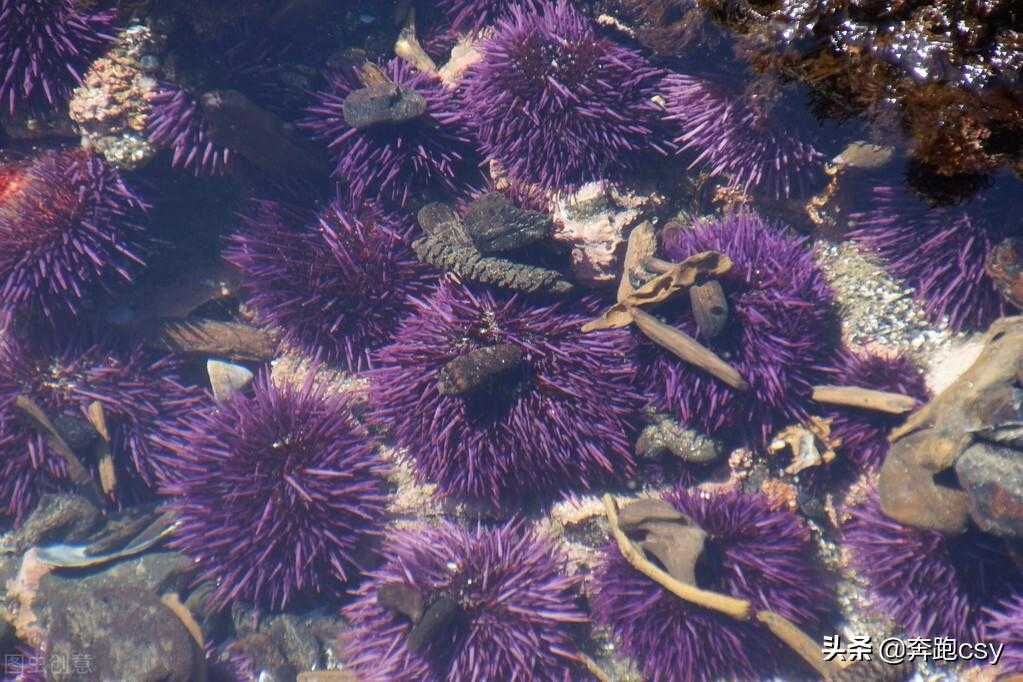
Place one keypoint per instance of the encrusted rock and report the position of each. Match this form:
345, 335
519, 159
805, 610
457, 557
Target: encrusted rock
111, 105
595, 222
992, 477
667, 435
1005, 266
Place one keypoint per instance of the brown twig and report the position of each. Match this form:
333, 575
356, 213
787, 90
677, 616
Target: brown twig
799, 642
864, 398
739, 609
594, 669
687, 348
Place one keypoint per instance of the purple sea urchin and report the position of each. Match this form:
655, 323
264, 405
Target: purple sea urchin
516, 608
144, 402
752, 552
276, 490
177, 122
1005, 626
738, 138
560, 420
939, 251
68, 227
336, 288
473, 15
864, 433
557, 105
930, 584
392, 161
45, 45
779, 309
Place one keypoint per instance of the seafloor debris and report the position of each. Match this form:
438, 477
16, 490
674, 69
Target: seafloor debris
864, 398
468, 372
710, 307
811, 444
496, 224
227, 378
980, 414
233, 340
468, 263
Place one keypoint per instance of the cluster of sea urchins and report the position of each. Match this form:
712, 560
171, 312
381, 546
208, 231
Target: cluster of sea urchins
432, 152
177, 122
335, 284
556, 104
753, 551
144, 402
510, 608
931, 584
69, 227
45, 46
557, 417
779, 318
275, 491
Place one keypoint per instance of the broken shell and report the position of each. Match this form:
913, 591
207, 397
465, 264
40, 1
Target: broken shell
811, 445
469, 372
710, 308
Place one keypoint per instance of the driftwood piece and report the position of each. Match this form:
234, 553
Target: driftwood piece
933, 438
232, 340
740, 609
864, 398
710, 308
680, 276
687, 348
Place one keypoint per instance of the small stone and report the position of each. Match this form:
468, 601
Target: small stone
992, 477
864, 155
382, 104
227, 378
494, 224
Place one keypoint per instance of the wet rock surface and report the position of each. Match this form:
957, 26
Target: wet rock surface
992, 477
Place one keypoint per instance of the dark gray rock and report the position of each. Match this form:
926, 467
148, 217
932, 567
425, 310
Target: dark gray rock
61, 517
992, 477
495, 224
115, 619
381, 104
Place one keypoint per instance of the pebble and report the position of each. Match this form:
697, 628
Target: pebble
227, 378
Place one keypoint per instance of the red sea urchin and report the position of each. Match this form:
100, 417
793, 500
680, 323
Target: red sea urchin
556, 104
776, 336
45, 45
143, 398
752, 552
275, 491
560, 419
940, 250
177, 122
930, 584
391, 161
68, 226
864, 433
336, 288
515, 609
736, 137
